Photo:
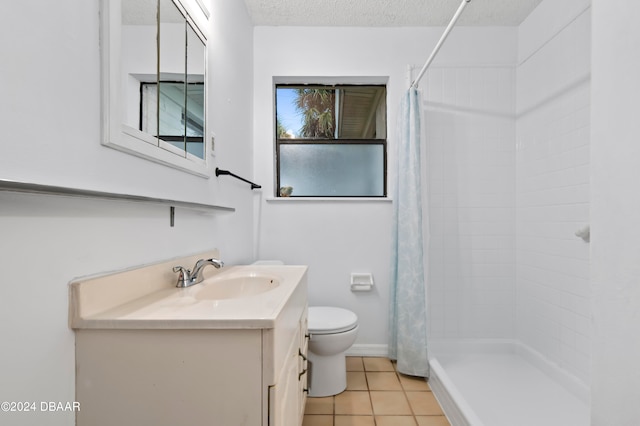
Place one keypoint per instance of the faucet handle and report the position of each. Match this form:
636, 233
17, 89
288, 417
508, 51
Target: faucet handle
181, 269
184, 275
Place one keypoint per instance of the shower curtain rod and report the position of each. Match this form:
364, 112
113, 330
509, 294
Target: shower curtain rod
463, 4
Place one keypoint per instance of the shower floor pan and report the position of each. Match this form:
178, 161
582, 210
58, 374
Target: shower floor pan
502, 383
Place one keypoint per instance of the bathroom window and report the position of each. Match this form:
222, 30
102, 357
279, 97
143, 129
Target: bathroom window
331, 140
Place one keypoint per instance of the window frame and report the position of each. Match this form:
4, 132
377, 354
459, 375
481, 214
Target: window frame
326, 141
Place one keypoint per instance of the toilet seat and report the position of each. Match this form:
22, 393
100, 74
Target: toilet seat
330, 320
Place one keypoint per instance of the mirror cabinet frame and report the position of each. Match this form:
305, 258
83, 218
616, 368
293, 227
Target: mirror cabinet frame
116, 134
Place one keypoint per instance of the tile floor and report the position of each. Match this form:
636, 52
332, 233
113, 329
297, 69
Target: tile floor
376, 395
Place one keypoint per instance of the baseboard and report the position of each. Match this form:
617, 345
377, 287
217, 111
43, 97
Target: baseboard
368, 350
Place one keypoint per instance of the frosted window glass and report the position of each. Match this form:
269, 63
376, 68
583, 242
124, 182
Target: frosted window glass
332, 170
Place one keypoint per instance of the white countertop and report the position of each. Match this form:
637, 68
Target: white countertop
179, 308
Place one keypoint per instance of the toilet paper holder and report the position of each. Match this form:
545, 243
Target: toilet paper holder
361, 281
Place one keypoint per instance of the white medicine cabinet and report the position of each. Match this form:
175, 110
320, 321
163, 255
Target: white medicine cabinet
154, 81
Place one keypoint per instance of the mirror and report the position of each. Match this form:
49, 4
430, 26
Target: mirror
154, 82
181, 82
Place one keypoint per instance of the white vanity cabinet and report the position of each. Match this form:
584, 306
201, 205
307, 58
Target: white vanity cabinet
136, 368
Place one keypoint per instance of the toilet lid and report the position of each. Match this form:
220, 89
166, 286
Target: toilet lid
329, 320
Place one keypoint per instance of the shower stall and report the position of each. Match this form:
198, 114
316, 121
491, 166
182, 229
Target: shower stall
508, 176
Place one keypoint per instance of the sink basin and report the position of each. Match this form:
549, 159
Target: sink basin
236, 286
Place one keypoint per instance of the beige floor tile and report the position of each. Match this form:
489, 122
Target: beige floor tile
395, 421
412, 383
355, 421
424, 403
354, 363
432, 421
319, 405
317, 420
389, 403
377, 364
356, 380
353, 402
383, 380
374, 388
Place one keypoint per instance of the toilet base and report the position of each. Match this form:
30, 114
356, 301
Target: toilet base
327, 374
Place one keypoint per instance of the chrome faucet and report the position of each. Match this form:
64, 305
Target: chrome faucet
187, 277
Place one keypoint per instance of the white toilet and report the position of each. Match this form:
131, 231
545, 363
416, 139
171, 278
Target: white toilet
332, 331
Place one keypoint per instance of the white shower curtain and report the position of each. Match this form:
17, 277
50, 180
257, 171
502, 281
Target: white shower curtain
408, 311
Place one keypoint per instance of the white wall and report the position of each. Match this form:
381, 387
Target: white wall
470, 125
553, 106
336, 238
615, 242
50, 116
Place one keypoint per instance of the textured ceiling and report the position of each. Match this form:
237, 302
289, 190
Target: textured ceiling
387, 13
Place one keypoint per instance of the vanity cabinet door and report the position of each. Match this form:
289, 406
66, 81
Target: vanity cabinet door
303, 366
288, 396
283, 396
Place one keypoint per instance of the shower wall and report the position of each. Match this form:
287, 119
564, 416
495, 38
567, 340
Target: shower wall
552, 191
470, 133
508, 164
